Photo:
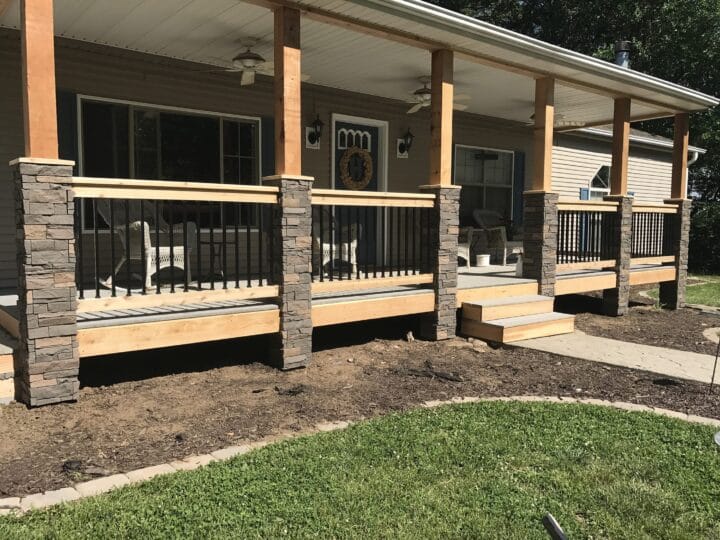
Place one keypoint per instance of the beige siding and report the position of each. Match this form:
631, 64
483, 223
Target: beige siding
576, 160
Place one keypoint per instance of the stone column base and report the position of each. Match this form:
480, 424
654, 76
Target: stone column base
540, 232
291, 258
443, 247
46, 358
616, 302
672, 293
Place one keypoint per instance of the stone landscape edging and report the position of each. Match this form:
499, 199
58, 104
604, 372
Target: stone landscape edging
98, 486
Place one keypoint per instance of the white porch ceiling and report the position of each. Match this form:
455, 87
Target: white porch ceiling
211, 32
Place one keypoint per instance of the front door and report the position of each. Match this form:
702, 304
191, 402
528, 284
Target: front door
357, 167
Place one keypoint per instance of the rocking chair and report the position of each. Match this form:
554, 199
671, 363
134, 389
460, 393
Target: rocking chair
141, 244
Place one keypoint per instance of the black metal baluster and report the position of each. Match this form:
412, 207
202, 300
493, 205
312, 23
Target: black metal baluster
261, 240
128, 275
113, 287
95, 249
321, 248
198, 239
382, 236
341, 247
223, 246
79, 263
236, 232
407, 240
248, 244
186, 254
212, 245
171, 236
366, 235
157, 247
143, 255
414, 242
313, 232
331, 213
357, 245
391, 223
348, 218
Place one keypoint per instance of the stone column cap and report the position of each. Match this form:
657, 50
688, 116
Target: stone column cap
278, 177
42, 161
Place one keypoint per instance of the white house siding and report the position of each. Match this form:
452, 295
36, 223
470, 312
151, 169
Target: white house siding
577, 159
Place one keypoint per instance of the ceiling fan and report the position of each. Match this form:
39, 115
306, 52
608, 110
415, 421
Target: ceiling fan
421, 98
248, 63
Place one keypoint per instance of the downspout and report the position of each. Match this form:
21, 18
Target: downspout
691, 162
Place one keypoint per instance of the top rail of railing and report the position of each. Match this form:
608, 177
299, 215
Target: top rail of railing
114, 188
333, 197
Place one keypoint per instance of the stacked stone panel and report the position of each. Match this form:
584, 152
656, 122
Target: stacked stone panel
291, 263
46, 358
672, 293
616, 301
443, 245
540, 232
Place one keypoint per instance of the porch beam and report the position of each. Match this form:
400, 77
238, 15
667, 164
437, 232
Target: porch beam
38, 78
543, 134
620, 148
288, 139
680, 157
441, 118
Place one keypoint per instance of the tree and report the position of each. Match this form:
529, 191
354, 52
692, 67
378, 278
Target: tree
676, 40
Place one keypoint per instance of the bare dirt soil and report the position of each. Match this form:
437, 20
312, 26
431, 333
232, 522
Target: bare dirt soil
646, 324
152, 407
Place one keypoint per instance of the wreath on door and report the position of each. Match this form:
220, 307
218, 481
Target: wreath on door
356, 168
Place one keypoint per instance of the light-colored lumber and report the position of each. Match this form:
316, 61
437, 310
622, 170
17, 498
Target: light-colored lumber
543, 134
620, 147
652, 260
497, 291
112, 188
152, 335
10, 324
365, 198
288, 114
678, 189
175, 299
372, 308
38, 78
582, 284
657, 275
370, 283
589, 265
441, 118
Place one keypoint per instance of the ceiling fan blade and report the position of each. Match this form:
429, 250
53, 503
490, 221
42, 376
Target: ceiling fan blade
415, 108
304, 77
463, 97
459, 106
247, 78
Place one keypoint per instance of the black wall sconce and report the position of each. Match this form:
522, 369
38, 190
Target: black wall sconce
406, 142
316, 131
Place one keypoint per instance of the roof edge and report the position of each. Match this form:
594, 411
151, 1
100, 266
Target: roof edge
646, 141
474, 28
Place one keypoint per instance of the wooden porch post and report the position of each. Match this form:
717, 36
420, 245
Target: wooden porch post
616, 301
540, 204
543, 135
442, 241
288, 138
441, 118
620, 148
680, 157
672, 293
38, 77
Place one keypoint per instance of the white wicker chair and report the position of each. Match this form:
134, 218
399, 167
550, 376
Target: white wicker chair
491, 222
465, 244
342, 250
141, 240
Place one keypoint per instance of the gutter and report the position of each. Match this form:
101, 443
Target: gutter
640, 140
459, 24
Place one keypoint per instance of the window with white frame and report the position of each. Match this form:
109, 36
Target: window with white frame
130, 140
600, 183
486, 177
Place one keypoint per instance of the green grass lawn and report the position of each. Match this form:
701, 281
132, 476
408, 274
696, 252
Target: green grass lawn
706, 293
487, 470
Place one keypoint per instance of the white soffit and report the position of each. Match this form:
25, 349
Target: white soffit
212, 31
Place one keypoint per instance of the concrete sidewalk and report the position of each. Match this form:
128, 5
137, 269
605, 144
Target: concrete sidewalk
668, 362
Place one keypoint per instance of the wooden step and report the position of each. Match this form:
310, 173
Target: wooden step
504, 308
519, 328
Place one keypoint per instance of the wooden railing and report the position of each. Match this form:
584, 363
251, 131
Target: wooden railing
653, 233
363, 239
207, 241
586, 234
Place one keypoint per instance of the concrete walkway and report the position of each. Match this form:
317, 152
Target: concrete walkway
668, 362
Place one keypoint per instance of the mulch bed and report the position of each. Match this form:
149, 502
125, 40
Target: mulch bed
148, 408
